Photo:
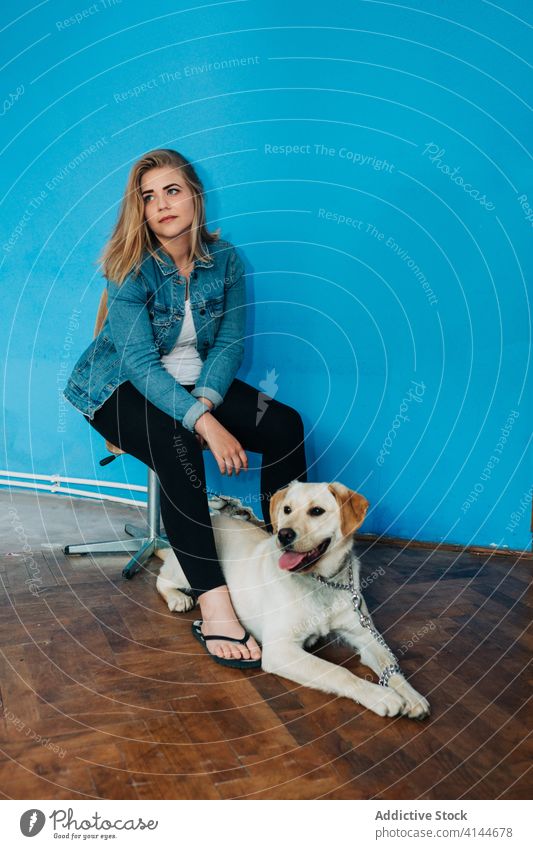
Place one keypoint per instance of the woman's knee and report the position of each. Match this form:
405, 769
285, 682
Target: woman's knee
287, 423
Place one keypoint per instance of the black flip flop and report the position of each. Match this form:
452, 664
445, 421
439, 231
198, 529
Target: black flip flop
225, 661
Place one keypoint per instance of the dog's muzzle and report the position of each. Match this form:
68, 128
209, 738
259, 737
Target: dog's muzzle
301, 561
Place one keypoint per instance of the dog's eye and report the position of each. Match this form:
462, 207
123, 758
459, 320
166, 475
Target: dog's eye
287, 509
316, 511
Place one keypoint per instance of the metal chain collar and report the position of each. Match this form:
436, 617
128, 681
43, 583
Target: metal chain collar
365, 621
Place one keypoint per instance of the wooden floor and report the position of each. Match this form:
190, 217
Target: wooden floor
107, 695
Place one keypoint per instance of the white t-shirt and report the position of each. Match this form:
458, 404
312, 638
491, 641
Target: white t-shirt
184, 362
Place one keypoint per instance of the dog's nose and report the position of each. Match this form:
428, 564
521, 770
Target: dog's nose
286, 535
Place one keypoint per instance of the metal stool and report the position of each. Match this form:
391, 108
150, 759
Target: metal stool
142, 542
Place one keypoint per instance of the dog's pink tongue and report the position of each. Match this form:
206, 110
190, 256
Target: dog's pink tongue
290, 559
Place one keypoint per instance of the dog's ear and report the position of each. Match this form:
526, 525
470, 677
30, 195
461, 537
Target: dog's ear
353, 507
274, 505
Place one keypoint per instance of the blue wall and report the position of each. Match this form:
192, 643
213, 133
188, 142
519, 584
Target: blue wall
369, 161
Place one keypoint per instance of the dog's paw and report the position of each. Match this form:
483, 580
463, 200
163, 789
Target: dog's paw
178, 602
390, 704
416, 706
382, 700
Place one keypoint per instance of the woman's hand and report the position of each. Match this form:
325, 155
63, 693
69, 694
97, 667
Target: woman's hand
227, 451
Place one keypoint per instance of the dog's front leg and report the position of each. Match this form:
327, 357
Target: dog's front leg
291, 661
376, 656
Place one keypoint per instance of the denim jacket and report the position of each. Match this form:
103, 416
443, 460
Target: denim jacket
143, 323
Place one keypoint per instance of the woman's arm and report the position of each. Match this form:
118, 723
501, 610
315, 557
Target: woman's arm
133, 338
225, 357
201, 439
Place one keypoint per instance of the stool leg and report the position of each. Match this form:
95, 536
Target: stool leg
139, 559
154, 539
142, 542
154, 508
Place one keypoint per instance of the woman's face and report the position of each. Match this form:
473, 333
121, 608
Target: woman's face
168, 202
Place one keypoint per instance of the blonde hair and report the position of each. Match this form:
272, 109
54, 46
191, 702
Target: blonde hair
123, 252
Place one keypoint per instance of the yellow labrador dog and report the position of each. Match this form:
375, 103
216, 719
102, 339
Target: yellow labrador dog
298, 584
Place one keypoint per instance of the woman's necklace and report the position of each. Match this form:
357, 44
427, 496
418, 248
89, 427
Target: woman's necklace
187, 278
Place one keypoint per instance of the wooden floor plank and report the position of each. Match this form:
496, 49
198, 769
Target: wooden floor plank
105, 694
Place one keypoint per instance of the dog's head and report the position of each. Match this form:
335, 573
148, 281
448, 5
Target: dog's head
314, 524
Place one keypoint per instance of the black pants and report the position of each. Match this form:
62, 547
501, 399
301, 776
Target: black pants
260, 423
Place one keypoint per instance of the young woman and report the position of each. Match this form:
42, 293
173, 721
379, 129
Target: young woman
159, 379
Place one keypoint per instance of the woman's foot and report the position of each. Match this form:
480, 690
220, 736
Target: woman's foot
219, 617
